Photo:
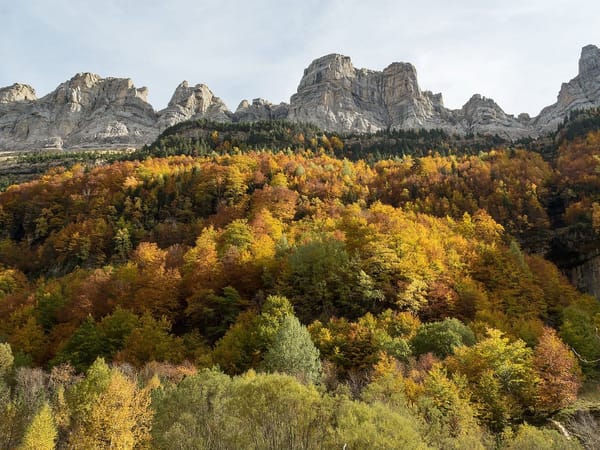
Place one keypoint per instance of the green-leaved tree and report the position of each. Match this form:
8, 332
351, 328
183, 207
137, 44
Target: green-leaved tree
293, 352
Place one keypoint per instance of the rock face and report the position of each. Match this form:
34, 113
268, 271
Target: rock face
190, 103
86, 111
17, 93
260, 110
93, 112
586, 276
337, 97
483, 115
581, 92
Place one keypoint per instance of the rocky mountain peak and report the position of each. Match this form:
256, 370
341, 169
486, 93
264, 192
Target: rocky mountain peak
260, 109
483, 115
85, 111
404, 68
589, 62
84, 80
198, 97
581, 92
243, 105
184, 94
192, 102
91, 111
478, 101
261, 102
337, 97
328, 68
257, 103
88, 90
17, 93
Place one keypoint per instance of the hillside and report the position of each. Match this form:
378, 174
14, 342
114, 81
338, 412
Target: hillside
202, 288
407, 286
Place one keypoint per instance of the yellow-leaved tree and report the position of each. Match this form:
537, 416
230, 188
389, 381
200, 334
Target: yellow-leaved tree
110, 411
41, 433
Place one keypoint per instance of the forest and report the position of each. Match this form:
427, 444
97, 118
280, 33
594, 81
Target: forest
271, 286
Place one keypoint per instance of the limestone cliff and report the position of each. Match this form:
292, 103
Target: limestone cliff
93, 112
483, 115
190, 103
260, 109
337, 97
17, 93
581, 92
586, 276
86, 111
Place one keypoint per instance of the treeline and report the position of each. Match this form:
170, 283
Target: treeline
578, 124
204, 137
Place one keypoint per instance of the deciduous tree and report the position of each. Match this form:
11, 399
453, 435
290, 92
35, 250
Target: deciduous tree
558, 372
293, 352
41, 433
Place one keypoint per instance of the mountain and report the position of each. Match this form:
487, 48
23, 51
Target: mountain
86, 111
337, 97
93, 112
190, 103
582, 92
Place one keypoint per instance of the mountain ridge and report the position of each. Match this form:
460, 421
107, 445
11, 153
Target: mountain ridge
89, 111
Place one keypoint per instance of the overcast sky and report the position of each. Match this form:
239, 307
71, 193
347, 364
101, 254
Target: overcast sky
517, 52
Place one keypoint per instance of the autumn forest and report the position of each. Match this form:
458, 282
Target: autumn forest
270, 286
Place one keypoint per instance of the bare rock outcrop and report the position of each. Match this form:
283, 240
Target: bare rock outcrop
93, 112
483, 115
582, 92
86, 111
337, 97
189, 103
17, 93
259, 110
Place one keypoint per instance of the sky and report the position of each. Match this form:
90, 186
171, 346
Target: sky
517, 52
